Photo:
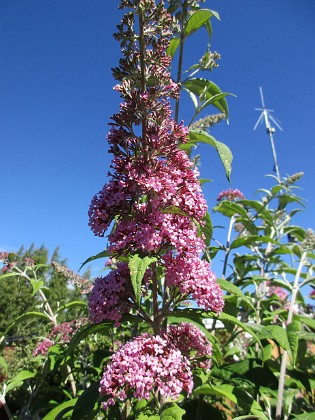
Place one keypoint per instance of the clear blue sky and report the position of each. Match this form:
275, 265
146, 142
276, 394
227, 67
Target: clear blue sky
56, 98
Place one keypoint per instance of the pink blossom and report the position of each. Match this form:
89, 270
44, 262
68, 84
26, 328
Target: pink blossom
144, 365
192, 342
110, 296
61, 333
231, 195
43, 347
194, 278
277, 290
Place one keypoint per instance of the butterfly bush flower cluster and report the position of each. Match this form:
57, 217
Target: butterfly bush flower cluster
230, 195
61, 333
143, 365
277, 290
155, 208
80, 282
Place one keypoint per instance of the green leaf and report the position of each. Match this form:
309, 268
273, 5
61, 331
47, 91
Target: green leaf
85, 405
25, 317
293, 331
193, 97
246, 327
307, 336
224, 390
19, 379
102, 254
207, 229
171, 49
138, 267
225, 154
36, 284
60, 410
207, 90
229, 209
76, 303
4, 276
87, 330
237, 396
234, 290
306, 320
305, 416
3, 364
171, 411
197, 20
251, 240
275, 333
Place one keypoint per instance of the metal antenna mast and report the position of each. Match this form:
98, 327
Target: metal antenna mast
265, 116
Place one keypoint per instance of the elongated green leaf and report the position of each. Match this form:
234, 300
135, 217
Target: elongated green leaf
171, 411
138, 267
5, 276
27, 316
102, 254
307, 336
224, 390
171, 49
60, 410
193, 97
225, 154
197, 20
87, 330
3, 364
234, 394
206, 90
251, 240
85, 404
310, 322
234, 290
19, 379
293, 330
76, 303
246, 327
229, 209
207, 229
214, 100
304, 416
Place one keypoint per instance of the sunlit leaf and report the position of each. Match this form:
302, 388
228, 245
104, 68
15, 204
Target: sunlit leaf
171, 49
36, 284
206, 89
234, 290
225, 154
293, 330
229, 209
19, 379
138, 267
171, 411
60, 410
198, 19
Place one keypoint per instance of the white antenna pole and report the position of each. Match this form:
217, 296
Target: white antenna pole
270, 130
